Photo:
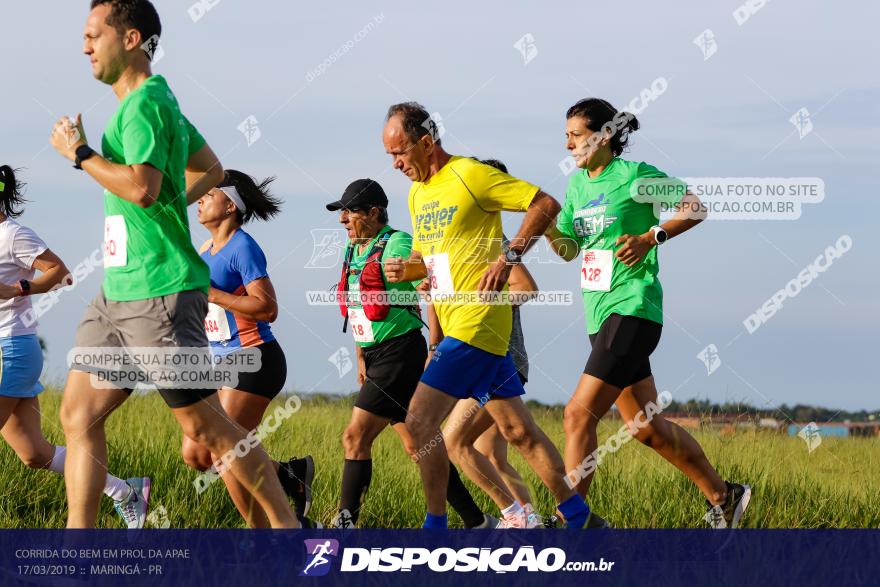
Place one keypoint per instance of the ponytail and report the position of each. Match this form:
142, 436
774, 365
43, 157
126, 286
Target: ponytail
11, 190
258, 200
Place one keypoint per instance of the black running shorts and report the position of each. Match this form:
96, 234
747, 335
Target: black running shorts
269, 380
394, 368
621, 349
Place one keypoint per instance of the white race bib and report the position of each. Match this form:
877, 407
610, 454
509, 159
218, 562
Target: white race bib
439, 275
596, 270
115, 239
216, 324
361, 327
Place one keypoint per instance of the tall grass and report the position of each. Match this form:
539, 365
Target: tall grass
837, 485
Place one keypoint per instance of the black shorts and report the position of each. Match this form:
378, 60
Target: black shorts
269, 380
394, 368
621, 349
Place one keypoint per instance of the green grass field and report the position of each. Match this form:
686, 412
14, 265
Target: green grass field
836, 486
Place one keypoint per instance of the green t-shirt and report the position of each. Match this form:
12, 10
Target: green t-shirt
148, 252
596, 212
399, 320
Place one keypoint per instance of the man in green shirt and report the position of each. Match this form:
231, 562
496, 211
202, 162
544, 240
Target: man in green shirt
391, 351
154, 297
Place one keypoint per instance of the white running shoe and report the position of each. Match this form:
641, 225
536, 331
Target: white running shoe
133, 509
514, 520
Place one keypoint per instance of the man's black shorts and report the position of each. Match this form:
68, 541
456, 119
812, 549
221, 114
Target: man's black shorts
394, 368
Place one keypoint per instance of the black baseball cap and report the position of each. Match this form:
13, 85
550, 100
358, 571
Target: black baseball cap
361, 194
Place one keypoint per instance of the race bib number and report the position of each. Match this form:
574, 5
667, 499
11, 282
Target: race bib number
361, 327
596, 270
115, 239
439, 275
216, 324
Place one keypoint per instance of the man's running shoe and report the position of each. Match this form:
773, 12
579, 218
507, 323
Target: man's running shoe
489, 523
296, 476
342, 521
730, 513
133, 509
597, 521
309, 524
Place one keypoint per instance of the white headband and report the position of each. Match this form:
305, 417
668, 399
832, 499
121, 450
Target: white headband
232, 194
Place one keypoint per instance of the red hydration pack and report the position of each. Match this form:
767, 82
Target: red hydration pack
372, 284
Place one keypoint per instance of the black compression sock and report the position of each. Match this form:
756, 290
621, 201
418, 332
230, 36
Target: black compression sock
356, 477
461, 501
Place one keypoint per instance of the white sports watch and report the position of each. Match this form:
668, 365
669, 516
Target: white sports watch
660, 235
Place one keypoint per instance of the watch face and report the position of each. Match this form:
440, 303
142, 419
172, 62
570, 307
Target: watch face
661, 236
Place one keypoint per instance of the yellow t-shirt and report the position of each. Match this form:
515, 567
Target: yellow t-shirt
456, 218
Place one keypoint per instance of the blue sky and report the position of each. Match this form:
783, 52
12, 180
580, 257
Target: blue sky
726, 116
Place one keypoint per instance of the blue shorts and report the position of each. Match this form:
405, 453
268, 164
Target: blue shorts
21, 362
462, 370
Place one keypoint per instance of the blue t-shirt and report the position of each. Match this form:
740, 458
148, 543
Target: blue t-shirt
238, 263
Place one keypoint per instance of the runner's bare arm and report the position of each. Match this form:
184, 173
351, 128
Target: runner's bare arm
362, 365
259, 303
540, 214
203, 172
565, 247
634, 248
435, 331
398, 270
523, 286
138, 184
52, 270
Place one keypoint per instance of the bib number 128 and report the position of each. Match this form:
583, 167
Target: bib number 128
596, 270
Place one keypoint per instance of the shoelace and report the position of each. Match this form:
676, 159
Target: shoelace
129, 514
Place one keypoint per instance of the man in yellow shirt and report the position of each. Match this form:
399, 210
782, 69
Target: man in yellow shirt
456, 204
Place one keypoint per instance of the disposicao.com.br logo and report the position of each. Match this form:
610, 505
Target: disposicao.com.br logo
318, 562
442, 560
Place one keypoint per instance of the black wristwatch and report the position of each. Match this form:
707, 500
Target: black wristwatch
25, 287
433, 347
83, 152
511, 257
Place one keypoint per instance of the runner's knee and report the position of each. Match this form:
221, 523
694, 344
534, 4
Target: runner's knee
518, 434
204, 434
417, 428
577, 420
195, 457
77, 421
354, 441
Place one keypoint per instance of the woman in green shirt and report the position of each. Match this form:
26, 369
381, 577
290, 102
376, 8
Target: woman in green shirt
614, 228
